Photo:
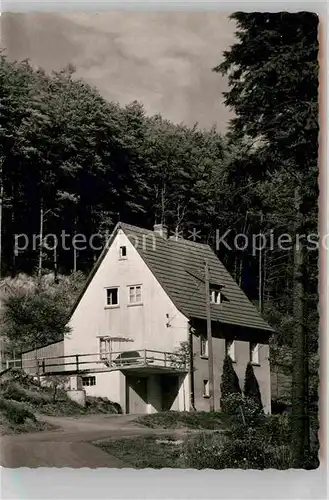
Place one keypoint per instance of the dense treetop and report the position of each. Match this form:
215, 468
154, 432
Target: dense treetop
80, 163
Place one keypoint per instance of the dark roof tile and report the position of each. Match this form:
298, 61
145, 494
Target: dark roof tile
178, 265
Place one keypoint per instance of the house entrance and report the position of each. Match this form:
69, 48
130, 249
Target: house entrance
136, 394
169, 392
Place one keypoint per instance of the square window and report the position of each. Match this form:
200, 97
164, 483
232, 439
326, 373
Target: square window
254, 353
203, 346
230, 349
206, 389
135, 294
112, 296
123, 252
88, 381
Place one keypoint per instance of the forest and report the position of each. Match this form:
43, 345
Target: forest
71, 161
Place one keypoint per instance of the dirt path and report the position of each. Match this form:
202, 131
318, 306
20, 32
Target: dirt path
68, 446
71, 444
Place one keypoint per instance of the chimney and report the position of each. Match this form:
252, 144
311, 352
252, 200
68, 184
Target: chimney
161, 229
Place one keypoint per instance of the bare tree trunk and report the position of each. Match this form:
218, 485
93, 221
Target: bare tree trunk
41, 239
1, 208
55, 265
266, 289
240, 272
209, 338
181, 210
236, 268
260, 273
74, 246
163, 204
74, 259
13, 270
299, 352
241, 261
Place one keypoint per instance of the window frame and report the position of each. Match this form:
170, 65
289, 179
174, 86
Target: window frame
254, 349
107, 344
204, 339
206, 388
89, 378
121, 256
136, 303
112, 306
229, 347
213, 294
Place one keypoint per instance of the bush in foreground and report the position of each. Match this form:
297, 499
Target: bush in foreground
229, 382
224, 451
251, 440
15, 413
251, 387
241, 410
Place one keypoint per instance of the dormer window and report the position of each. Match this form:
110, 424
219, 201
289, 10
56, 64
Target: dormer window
215, 297
123, 252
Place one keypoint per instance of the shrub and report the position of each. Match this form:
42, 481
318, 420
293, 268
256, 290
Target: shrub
57, 384
181, 356
276, 429
13, 391
229, 383
278, 407
102, 405
242, 453
251, 386
23, 379
203, 451
241, 410
221, 451
34, 318
16, 413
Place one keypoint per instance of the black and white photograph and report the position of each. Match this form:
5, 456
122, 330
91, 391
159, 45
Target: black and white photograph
159, 240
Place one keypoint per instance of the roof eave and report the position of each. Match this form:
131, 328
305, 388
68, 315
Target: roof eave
265, 328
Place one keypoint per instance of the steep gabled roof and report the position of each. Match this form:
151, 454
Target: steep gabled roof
178, 265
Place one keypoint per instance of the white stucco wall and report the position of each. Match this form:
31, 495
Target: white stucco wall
108, 385
145, 324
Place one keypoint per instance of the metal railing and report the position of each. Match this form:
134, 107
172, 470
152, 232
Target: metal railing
103, 361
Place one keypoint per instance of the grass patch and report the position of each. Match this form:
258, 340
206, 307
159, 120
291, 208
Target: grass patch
65, 407
16, 418
21, 399
145, 452
182, 420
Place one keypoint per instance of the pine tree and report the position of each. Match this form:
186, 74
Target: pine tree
230, 382
251, 386
272, 71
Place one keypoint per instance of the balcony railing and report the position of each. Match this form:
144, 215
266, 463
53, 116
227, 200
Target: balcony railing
105, 361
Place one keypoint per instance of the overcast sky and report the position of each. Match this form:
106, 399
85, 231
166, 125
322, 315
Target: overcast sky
163, 60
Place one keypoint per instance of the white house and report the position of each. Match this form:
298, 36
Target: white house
143, 301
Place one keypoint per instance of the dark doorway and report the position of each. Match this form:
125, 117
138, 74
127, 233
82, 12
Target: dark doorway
169, 391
